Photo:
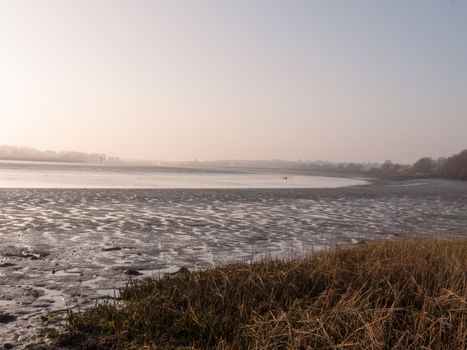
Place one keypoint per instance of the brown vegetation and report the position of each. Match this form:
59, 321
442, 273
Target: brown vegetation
455, 167
406, 294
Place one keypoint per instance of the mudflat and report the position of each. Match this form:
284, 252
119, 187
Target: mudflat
67, 248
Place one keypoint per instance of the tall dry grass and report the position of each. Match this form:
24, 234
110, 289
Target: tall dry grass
406, 294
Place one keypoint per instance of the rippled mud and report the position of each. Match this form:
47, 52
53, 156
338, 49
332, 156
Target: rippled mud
64, 249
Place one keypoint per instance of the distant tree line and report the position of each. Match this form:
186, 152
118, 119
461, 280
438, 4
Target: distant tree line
277, 164
454, 167
31, 154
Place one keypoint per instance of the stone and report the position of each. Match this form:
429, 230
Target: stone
182, 270
6, 318
111, 249
132, 272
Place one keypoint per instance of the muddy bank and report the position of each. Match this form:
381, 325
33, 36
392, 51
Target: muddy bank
64, 249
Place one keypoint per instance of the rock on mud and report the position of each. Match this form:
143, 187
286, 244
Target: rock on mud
111, 249
6, 318
132, 272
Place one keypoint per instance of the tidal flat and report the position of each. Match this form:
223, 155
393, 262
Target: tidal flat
67, 248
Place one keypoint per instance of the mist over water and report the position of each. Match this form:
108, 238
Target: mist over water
50, 175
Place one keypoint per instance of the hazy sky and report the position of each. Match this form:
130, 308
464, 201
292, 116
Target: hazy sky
290, 79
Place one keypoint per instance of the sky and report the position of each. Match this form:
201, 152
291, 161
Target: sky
348, 80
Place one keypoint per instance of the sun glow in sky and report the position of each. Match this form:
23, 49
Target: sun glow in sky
248, 79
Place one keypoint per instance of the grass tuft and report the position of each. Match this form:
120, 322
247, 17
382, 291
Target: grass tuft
406, 294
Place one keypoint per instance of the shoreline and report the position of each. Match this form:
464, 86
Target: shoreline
57, 244
195, 303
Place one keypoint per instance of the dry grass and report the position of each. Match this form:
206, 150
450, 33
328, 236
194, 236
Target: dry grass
406, 294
